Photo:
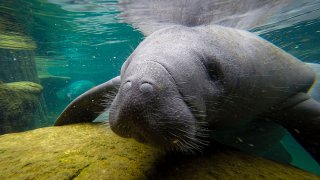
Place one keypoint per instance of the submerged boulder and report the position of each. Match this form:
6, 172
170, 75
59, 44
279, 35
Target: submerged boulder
93, 151
51, 85
54, 83
19, 106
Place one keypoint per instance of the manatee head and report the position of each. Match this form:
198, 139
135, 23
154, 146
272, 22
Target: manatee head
150, 109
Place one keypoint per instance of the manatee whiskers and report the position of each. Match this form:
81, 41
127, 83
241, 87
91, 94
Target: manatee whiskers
185, 140
190, 143
105, 102
106, 99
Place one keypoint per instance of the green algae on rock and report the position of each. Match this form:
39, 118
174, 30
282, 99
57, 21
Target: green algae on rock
86, 151
93, 151
19, 104
12, 32
16, 41
25, 86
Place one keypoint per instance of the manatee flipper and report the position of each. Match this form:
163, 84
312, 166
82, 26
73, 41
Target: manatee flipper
300, 115
89, 105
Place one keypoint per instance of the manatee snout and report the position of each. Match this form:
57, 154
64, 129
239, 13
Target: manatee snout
149, 108
130, 112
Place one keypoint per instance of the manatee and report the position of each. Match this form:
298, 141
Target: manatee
185, 85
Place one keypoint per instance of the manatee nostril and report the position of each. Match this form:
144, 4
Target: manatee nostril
146, 87
127, 85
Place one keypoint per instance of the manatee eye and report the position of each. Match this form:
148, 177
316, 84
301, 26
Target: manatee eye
146, 88
215, 71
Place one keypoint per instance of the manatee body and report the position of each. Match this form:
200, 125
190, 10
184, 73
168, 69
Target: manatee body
184, 84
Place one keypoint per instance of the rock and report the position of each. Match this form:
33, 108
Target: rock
19, 106
26, 87
93, 151
17, 63
54, 82
17, 52
51, 85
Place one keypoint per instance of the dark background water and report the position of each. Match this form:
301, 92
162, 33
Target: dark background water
86, 40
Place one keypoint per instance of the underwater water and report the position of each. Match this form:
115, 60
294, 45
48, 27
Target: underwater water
69, 47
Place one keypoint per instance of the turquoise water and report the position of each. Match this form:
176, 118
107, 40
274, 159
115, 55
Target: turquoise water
301, 40
81, 44
85, 43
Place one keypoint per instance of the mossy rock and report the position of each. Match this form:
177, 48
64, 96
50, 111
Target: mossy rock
19, 102
93, 151
26, 87
12, 35
16, 41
